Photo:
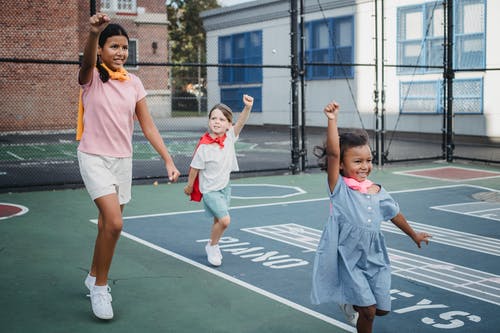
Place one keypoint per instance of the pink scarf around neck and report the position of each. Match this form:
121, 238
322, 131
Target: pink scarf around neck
358, 186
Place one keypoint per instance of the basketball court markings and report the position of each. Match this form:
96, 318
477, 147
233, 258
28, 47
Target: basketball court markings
454, 238
267, 191
485, 210
46, 151
454, 173
455, 278
241, 283
472, 283
8, 210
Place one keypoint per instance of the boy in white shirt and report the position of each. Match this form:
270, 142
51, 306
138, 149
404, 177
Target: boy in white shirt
212, 163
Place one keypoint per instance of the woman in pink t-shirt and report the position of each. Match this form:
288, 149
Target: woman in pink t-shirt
110, 99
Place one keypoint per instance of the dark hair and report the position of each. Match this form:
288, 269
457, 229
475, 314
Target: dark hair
226, 110
350, 139
111, 30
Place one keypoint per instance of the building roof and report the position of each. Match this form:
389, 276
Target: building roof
263, 10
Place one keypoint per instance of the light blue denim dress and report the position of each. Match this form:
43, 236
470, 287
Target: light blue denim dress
351, 264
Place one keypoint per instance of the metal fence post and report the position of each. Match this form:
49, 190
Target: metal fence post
294, 129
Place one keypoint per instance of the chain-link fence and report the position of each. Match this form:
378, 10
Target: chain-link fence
388, 81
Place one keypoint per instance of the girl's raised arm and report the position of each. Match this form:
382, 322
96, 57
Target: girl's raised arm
98, 23
332, 144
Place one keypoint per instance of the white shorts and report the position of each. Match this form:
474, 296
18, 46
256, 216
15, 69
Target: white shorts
106, 175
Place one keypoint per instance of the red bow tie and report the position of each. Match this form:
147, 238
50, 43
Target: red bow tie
359, 186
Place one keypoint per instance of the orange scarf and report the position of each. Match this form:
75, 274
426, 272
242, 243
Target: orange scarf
120, 75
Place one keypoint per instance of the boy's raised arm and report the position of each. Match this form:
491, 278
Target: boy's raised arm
242, 119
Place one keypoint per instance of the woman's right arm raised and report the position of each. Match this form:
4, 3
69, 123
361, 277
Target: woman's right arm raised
98, 23
332, 144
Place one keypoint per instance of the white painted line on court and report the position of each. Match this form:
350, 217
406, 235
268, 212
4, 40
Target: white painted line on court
407, 173
70, 154
437, 273
486, 210
37, 148
451, 277
241, 283
285, 203
398, 264
297, 191
272, 143
451, 237
23, 210
282, 203
442, 187
14, 155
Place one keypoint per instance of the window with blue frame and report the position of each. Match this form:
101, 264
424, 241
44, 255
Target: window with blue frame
469, 34
241, 49
420, 36
468, 96
233, 97
419, 97
426, 97
330, 41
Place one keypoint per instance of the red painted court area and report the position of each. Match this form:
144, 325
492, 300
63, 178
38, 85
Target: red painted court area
9, 210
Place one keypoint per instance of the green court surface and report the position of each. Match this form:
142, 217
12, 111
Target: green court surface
45, 253
182, 144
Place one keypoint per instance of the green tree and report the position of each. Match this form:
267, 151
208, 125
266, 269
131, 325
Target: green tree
187, 39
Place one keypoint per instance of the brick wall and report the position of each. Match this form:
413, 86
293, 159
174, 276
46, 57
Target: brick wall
37, 96
43, 96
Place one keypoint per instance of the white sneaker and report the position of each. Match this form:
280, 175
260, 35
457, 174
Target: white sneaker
213, 257
101, 303
217, 249
89, 282
350, 314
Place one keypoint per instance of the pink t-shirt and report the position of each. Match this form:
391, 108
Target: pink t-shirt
109, 115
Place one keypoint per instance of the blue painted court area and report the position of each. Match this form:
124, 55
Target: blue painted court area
452, 285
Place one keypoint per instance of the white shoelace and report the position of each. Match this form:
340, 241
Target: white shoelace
104, 297
109, 290
217, 250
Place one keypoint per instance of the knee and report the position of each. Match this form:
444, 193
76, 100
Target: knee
381, 313
368, 313
114, 227
225, 221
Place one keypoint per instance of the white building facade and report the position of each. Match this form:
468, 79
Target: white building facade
370, 42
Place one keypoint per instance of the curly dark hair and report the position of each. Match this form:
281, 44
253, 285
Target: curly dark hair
111, 30
349, 139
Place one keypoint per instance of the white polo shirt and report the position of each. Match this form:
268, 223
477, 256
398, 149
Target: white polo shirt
216, 163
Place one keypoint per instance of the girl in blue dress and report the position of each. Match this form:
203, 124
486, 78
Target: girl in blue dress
352, 266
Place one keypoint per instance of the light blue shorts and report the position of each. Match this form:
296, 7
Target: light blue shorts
216, 203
